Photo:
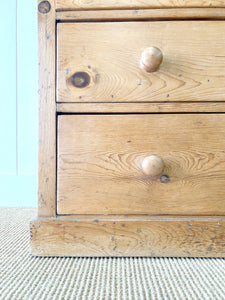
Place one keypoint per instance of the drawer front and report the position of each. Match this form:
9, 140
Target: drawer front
101, 170
101, 62
113, 4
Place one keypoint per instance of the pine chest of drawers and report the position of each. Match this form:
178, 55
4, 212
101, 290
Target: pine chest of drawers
131, 129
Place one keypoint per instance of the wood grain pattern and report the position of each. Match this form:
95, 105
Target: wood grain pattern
116, 236
47, 114
142, 14
140, 107
100, 155
99, 164
110, 53
123, 4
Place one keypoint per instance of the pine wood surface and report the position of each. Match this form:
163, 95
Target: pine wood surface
47, 114
128, 236
123, 4
100, 157
142, 14
140, 107
109, 54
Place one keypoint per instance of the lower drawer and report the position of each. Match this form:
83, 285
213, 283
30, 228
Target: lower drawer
100, 164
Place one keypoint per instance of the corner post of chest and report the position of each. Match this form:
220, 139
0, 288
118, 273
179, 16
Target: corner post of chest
47, 109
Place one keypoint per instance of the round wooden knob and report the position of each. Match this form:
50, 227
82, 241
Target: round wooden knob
152, 165
151, 59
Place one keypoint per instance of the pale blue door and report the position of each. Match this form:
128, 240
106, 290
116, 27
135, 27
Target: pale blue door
18, 90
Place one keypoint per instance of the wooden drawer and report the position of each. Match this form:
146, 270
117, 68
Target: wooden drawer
100, 164
100, 62
123, 4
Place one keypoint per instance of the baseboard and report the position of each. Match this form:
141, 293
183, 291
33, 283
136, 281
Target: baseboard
118, 236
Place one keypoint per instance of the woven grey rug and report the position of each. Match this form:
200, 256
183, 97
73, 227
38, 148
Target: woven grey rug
26, 277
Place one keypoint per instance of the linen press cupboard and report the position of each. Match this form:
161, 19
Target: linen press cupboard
131, 128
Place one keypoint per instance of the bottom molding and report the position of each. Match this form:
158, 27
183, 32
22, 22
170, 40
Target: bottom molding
128, 236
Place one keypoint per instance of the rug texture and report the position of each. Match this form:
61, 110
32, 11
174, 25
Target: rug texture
25, 277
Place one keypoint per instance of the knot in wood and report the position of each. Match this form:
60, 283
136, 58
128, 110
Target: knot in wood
164, 178
44, 7
80, 79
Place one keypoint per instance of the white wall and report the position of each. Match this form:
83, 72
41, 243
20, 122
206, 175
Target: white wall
18, 103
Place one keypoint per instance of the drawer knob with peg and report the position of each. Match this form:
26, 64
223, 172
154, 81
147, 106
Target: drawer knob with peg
152, 165
151, 59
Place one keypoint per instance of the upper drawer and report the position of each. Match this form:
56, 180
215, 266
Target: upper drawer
100, 62
113, 4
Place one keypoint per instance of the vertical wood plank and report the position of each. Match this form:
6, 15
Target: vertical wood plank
8, 87
27, 87
47, 110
